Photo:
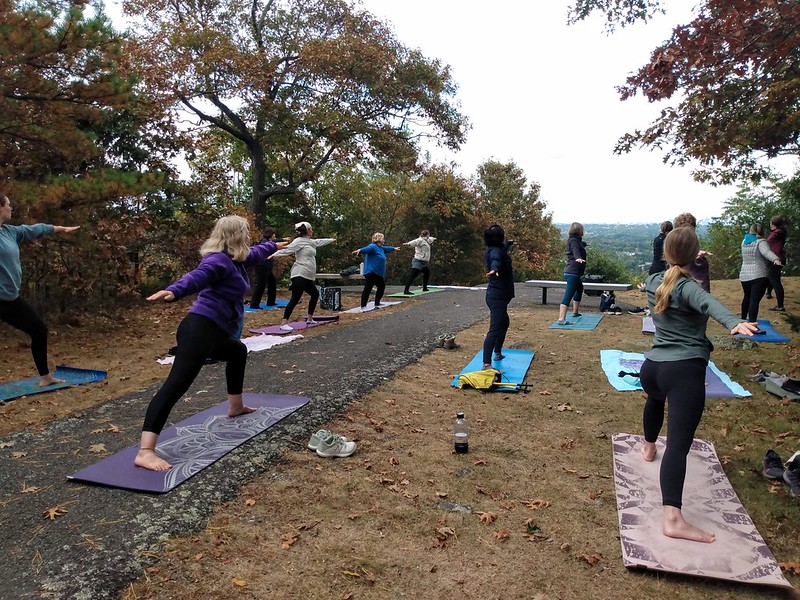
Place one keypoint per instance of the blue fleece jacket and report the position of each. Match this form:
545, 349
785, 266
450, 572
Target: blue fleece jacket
375, 258
10, 267
222, 284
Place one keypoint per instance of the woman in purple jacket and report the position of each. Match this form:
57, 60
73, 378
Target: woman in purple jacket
209, 330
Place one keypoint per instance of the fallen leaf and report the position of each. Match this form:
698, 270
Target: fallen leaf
532, 527
739, 448
19, 454
55, 512
29, 489
97, 448
444, 532
287, 539
351, 574
545, 393
394, 461
239, 582
486, 517
595, 495
564, 407
198, 556
441, 494
7, 444
537, 504
479, 462
113, 428
501, 535
592, 559
250, 502
790, 567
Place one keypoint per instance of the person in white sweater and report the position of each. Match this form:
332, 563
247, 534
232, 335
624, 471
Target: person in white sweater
419, 264
754, 273
304, 270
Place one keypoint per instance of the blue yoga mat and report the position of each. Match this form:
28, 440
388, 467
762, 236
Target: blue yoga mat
70, 375
513, 367
585, 322
770, 336
191, 445
278, 304
718, 383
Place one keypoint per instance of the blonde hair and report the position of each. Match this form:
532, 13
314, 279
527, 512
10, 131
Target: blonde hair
575, 229
377, 237
230, 234
757, 230
680, 248
684, 220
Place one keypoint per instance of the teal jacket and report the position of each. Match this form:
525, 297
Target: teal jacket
10, 267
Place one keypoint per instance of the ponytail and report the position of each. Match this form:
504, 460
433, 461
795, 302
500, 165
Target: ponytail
664, 290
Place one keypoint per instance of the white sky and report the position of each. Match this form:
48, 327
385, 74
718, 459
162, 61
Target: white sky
542, 94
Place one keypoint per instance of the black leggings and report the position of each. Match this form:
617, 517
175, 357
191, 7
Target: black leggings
753, 293
265, 279
774, 278
20, 316
372, 280
412, 275
198, 338
300, 285
683, 383
498, 327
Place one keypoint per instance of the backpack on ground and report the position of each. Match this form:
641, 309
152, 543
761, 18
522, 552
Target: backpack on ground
607, 301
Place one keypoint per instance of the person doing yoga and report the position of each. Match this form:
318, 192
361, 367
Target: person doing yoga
573, 271
265, 278
374, 268
499, 292
220, 282
13, 309
420, 262
675, 370
304, 270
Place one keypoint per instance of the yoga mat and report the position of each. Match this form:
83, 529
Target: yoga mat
257, 343
262, 306
296, 326
718, 383
456, 287
191, 445
371, 306
70, 375
586, 322
417, 292
648, 326
513, 367
738, 553
770, 336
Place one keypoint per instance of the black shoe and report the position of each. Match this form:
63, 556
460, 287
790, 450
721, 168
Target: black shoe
778, 309
792, 476
576, 315
425, 289
769, 296
635, 311
773, 465
498, 356
407, 293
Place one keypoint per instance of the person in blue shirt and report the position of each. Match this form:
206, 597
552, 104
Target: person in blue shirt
374, 268
499, 292
13, 309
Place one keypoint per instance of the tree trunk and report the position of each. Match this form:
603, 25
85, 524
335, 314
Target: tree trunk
259, 172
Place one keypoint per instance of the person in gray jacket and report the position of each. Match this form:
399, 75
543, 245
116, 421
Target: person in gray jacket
675, 370
420, 262
304, 270
757, 258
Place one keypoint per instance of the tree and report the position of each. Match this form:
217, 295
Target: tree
735, 74
505, 197
299, 83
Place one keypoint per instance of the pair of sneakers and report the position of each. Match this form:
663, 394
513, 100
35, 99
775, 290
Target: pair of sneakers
774, 469
330, 445
614, 310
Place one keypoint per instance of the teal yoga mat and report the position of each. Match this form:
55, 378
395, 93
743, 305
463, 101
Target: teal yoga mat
70, 375
585, 322
513, 367
278, 304
417, 292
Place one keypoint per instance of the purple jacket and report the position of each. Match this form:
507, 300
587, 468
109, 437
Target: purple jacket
222, 284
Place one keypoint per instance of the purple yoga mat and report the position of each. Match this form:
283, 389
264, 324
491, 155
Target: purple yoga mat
191, 445
296, 326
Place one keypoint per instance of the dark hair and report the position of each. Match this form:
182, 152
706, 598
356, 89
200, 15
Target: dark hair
666, 226
777, 221
576, 229
268, 232
3, 199
757, 229
424, 233
301, 230
494, 235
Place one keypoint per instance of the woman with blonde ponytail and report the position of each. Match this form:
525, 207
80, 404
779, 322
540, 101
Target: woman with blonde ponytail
675, 371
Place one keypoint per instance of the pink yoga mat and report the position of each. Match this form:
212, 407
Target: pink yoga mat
296, 326
739, 552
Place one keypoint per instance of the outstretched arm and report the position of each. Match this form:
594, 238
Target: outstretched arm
62, 229
164, 295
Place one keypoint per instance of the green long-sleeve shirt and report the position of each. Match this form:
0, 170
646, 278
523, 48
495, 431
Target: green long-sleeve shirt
681, 328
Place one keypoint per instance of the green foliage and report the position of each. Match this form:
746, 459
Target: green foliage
603, 263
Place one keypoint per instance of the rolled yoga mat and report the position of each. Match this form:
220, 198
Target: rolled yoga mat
739, 553
70, 375
191, 445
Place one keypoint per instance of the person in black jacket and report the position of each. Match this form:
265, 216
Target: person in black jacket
499, 292
659, 264
265, 278
576, 265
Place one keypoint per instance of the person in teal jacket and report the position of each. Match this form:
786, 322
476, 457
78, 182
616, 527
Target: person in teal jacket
374, 268
13, 309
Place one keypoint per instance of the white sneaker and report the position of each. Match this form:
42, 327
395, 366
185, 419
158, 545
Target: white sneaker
335, 446
312, 322
287, 328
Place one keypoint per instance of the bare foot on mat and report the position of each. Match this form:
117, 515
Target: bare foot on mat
148, 459
48, 379
237, 411
649, 451
675, 526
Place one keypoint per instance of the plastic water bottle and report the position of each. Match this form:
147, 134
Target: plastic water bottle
461, 434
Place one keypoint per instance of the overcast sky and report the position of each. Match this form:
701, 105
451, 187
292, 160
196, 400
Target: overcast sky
542, 94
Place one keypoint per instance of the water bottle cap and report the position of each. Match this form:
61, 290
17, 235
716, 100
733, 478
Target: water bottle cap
459, 415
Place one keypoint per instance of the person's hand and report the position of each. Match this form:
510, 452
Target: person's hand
777, 263
62, 229
490, 273
281, 245
355, 252
703, 253
164, 295
745, 328
580, 260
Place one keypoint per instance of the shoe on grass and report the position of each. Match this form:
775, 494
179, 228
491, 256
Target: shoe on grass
773, 465
335, 446
792, 476
316, 438
636, 311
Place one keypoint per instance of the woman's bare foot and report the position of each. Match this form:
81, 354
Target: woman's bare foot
236, 410
649, 451
148, 459
48, 379
675, 526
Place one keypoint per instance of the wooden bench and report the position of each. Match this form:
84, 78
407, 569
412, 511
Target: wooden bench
603, 286
337, 277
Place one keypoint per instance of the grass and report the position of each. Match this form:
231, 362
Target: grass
542, 521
